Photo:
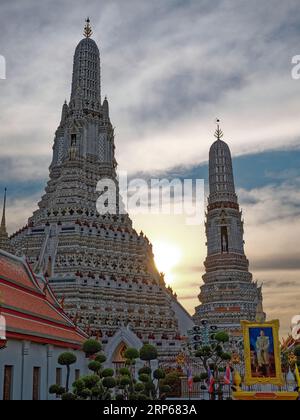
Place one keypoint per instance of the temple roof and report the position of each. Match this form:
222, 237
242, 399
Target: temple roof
30, 308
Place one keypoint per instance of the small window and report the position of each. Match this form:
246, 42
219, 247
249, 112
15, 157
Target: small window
58, 376
36, 383
77, 374
7, 384
73, 139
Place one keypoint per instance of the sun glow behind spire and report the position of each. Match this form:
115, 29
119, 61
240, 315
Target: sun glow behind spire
167, 257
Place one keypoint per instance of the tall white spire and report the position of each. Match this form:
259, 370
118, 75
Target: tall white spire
3, 221
221, 180
228, 294
4, 239
86, 84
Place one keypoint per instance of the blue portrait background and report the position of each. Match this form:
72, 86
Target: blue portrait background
254, 333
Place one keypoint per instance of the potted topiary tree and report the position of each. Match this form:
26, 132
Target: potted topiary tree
67, 359
213, 358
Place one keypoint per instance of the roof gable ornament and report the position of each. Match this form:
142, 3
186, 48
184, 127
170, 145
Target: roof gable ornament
88, 32
218, 133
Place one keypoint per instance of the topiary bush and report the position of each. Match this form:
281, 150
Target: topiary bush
144, 377
148, 353
85, 393
94, 366
159, 374
100, 358
139, 387
131, 354
57, 390
91, 381
91, 347
107, 373
222, 337
146, 370
165, 389
124, 372
78, 385
109, 382
68, 396
124, 381
67, 359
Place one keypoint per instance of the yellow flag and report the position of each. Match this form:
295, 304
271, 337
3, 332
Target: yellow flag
297, 375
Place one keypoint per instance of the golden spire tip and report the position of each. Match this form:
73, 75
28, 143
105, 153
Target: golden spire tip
219, 133
88, 32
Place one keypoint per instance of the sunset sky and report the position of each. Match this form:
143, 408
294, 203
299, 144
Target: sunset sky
169, 68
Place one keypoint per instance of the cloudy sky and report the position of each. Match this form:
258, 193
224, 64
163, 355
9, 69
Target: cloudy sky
169, 68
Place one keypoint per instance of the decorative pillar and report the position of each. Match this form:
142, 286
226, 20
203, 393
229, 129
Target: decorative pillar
50, 370
25, 373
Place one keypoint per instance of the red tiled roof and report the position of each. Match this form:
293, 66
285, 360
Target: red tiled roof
16, 272
19, 326
26, 302
31, 309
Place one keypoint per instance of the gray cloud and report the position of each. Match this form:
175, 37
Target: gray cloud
277, 262
168, 67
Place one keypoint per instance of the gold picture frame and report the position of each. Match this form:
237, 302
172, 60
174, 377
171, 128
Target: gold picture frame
251, 330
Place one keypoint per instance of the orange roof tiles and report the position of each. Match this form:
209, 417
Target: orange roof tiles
16, 272
31, 309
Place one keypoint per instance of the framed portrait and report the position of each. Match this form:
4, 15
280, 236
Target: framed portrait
262, 353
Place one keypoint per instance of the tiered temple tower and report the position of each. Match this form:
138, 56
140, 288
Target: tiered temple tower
228, 295
98, 265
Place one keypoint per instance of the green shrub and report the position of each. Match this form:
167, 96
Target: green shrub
222, 337
68, 396
145, 370
67, 359
149, 386
85, 393
100, 358
124, 372
148, 352
91, 347
165, 389
143, 397
79, 385
109, 382
139, 387
226, 356
125, 380
56, 389
107, 372
96, 391
144, 378
131, 354
159, 374
94, 366
90, 381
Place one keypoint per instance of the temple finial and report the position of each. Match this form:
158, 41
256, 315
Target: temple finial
4, 239
3, 221
219, 133
88, 32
